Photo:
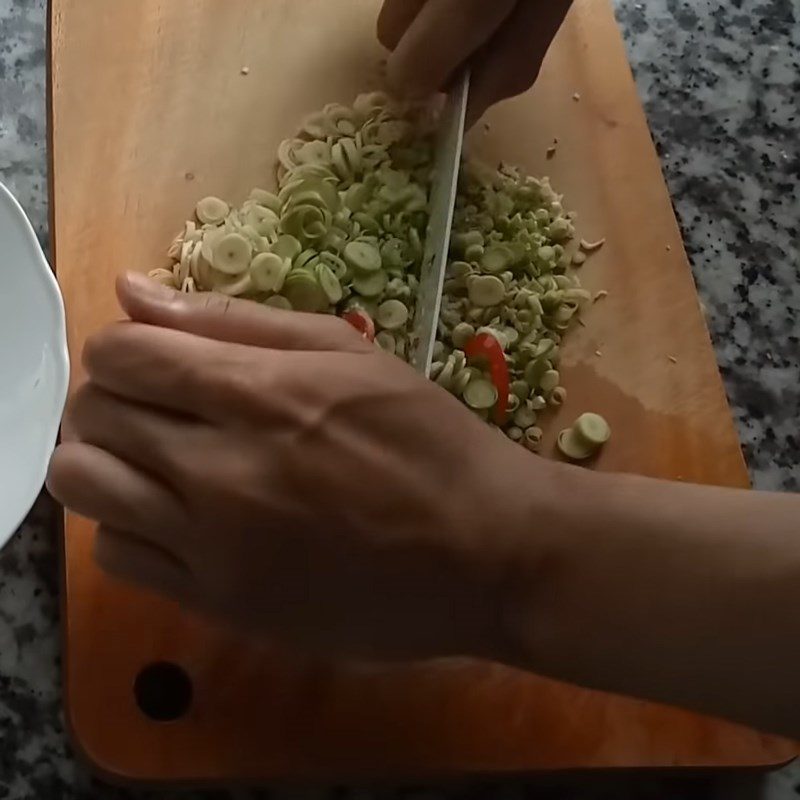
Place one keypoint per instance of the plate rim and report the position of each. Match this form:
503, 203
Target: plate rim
57, 341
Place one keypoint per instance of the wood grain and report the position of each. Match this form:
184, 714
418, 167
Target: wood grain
151, 111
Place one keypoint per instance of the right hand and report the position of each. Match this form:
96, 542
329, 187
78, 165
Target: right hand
275, 470
502, 41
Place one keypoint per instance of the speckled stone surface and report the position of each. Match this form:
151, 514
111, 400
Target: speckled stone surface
720, 83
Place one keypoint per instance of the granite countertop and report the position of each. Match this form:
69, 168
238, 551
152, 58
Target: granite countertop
720, 84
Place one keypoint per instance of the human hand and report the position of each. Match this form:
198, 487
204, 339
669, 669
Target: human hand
273, 469
503, 42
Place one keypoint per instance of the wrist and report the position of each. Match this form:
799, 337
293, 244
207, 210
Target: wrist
553, 519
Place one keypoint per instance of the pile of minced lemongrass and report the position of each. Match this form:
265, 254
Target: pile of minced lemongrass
345, 233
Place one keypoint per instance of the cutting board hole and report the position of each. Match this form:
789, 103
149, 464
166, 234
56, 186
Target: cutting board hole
163, 691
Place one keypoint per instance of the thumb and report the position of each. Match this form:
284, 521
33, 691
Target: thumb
226, 319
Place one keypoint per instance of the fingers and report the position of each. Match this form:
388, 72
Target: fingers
169, 369
442, 37
226, 319
138, 435
99, 486
512, 60
127, 557
394, 20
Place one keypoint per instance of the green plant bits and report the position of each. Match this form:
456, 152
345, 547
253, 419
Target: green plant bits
537, 402
544, 347
459, 269
302, 290
549, 380
532, 438
473, 252
370, 284
365, 304
524, 417
392, 255
558, 396
362, 256
367, 222
496, 258
268, 271
461, 381
386, 342
546, 253
446, 374
510, 336
436, 369
592, 429
514, 433
329, 283
534, 304
306, 260
520, 389
356, 196
337, 265
212, 211
486, 290
266, 199
480, 394
461, 241
231, 254
461, 334
392, 314
346, 221
573, 447
286, 246
262, 220
560, 229
278, 301
534, 373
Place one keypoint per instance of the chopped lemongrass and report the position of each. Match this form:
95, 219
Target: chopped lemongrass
592, 429
480, 394
231, 254
269, 271
344, 230
590, 247
212, 211
392, 315
572, 447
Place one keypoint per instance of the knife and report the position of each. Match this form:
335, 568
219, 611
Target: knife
447, 161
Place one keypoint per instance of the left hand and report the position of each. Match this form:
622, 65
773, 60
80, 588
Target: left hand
275, 470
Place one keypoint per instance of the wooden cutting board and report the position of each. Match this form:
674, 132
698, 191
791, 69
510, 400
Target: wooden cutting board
151, 111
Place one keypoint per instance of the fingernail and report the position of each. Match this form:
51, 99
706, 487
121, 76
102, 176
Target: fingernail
147, 287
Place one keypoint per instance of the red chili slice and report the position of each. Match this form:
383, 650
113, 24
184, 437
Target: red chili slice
362, 322
485, 348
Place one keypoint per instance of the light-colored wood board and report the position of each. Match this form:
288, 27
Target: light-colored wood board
150, 112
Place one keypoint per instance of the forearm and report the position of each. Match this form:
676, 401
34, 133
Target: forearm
678, 593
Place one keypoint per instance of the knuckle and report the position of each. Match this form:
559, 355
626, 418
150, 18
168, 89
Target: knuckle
58, 473
81, 407
93, 349
106, 346
215, 302
231, 378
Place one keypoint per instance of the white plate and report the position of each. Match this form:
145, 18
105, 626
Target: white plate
34, 365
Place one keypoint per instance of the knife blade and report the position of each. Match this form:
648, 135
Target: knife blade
447, 162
